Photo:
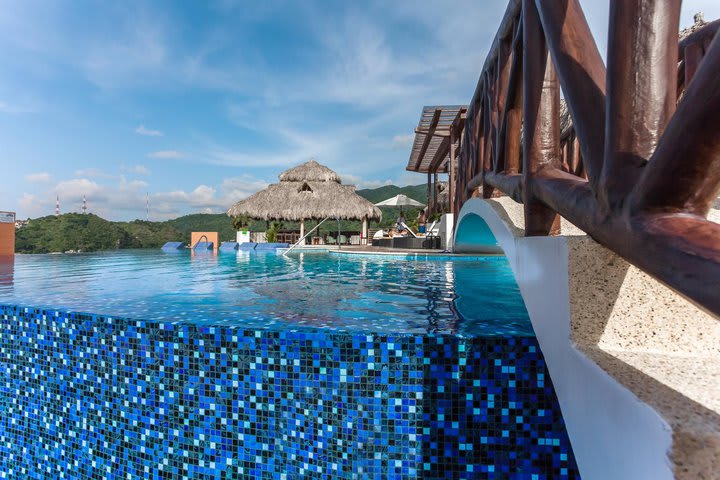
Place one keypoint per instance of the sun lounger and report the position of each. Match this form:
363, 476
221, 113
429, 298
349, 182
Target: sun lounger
173, 246
229, 246
408, 229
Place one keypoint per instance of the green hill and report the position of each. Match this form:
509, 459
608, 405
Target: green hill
72, 231
204, 222
375, 195
89, 233
151, 234
390, 214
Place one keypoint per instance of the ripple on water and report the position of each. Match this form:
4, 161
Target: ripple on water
476, 297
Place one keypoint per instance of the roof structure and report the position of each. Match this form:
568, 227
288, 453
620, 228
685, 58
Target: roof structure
431, 148
308, 191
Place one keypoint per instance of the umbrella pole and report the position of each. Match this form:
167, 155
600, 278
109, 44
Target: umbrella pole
338, 239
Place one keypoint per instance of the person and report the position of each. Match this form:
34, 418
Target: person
421, 221
400, 223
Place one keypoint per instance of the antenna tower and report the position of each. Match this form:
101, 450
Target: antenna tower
84, 205
57, 205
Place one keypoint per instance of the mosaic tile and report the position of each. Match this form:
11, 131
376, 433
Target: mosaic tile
95, 397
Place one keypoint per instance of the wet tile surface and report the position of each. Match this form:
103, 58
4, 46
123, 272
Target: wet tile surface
85, 397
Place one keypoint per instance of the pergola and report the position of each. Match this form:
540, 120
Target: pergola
436, 148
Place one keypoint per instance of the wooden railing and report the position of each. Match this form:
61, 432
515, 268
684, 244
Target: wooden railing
640, 166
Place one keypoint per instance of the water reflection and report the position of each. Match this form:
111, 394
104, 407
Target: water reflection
474, 297
488, 300
7, 271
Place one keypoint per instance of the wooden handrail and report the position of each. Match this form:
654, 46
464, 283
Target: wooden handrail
634, 172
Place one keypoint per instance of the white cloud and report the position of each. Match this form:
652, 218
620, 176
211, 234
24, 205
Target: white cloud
141, 130
237, 188
204, 198
92, 173
360, 183
42, 177
403, 141
74, 189
27, 202
121, 198
166, 154
137, 169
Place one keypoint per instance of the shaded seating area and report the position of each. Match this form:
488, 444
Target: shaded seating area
314, 192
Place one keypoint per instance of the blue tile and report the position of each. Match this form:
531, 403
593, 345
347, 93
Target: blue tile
87, 396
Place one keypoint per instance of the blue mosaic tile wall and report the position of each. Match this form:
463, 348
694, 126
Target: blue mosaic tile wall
90, 397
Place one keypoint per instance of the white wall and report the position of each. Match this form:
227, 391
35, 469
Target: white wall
614, 435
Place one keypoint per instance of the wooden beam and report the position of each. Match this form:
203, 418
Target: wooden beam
488, 137
440, 154
429, 192
445, 132
510, 184
541, 112
426, 142
581, 71
509, 138
641, 90
684, 172
680, 250
701, 36
504, 66
693, 57
453, 176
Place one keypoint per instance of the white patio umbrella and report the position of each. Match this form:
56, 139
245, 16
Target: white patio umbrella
400, 201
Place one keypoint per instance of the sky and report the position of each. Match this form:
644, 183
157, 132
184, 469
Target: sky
197, 105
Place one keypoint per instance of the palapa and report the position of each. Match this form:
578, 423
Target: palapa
308, 191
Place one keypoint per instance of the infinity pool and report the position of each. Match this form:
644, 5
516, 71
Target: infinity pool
466, 295
136, 364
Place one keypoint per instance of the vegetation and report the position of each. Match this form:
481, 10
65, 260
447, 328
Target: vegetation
72, 231
88, 233
150, 234
272, 231
241, 222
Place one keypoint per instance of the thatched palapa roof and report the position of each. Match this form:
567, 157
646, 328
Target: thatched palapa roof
308, 191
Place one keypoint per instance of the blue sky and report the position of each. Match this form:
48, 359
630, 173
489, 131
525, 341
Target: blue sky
200, 104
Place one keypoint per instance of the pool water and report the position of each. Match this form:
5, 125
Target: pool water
245, 366
461, 295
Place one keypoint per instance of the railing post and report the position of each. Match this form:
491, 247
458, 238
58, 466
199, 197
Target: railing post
429, 193
480, 139
641, 90
514, 124
488, 147
452, 177
541, 114
503, 78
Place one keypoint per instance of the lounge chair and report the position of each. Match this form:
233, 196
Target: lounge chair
330, 240
408, 229
342, 240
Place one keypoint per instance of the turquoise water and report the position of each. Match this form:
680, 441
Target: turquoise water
474, 296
